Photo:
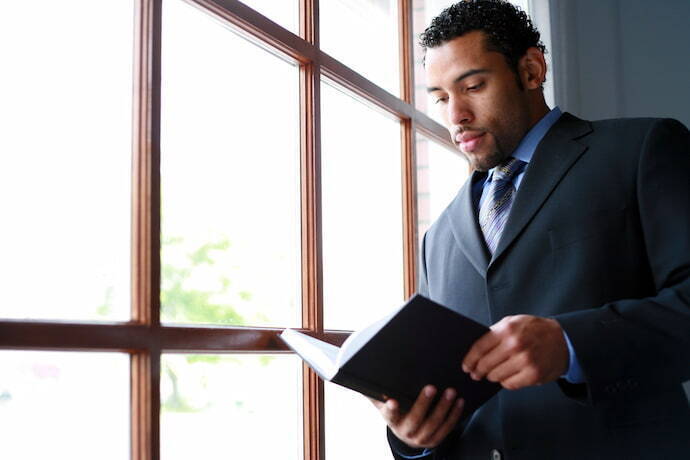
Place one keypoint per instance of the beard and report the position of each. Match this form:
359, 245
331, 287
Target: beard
486, 162
507, 135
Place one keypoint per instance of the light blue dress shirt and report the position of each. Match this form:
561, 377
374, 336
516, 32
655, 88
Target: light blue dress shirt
525, 151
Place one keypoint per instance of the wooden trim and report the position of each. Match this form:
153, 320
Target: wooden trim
141, 163
155, 161
409, 196
209, 340
255, 25
309, 22
130, 337
146, 164
313, 418
154, 395
145, 366
406, 51
74, 336
435, 131
364, 88
312, 277
141, 406
407, 143
312, 268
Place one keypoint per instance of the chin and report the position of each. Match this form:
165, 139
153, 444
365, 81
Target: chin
486, 162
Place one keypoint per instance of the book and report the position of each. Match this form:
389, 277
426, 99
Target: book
421, 343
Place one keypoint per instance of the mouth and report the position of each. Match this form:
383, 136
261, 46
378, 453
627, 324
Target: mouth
468, 142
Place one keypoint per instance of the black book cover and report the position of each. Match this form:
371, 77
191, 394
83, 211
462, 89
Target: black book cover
422, 343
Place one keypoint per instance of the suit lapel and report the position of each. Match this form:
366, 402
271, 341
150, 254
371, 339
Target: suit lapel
553, 157
465, 228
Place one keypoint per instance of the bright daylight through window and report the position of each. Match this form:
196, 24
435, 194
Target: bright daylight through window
182, 180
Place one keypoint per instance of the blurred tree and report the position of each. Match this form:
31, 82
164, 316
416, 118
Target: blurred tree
183, 302
180, 302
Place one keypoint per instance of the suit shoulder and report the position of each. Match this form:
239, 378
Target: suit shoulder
642, 125
633, 134
441, 226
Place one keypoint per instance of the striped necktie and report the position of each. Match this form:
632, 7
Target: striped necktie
496, 201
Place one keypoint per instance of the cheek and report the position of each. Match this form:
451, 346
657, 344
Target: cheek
509, 114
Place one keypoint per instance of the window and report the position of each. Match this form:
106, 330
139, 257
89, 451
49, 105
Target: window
183, 179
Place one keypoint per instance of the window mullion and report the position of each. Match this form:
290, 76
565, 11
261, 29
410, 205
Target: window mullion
407, 144
312, 269
145, 364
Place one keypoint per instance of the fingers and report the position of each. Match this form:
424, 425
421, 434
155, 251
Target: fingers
409, 422
519, 351
488, 363
425, 427
448, 425
390, 411
519, 380
437, 418
378, 403
504, 370
419, 409
481, 347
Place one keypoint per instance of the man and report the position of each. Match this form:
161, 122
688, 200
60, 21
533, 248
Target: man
573, 239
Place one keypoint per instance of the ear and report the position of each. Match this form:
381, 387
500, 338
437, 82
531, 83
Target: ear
532, 68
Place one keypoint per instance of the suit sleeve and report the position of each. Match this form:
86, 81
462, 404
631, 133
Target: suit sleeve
635, 346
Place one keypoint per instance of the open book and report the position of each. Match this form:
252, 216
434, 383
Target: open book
421, 343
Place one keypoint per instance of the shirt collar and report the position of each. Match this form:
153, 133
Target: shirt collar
528, 144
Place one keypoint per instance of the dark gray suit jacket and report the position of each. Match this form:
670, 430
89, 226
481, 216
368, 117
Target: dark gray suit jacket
599, 239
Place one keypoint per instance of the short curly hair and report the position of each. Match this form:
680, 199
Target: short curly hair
508, 29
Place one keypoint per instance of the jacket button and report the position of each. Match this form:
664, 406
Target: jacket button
496, 454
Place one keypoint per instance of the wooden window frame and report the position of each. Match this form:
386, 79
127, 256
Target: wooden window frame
144, 338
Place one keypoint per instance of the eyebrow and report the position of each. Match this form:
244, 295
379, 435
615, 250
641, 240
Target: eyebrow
469, 73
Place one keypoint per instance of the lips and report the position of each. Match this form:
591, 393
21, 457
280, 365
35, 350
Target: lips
469, 142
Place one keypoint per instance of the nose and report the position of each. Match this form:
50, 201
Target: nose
459, 112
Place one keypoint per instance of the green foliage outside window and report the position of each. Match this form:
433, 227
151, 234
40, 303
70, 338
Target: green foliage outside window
182, 302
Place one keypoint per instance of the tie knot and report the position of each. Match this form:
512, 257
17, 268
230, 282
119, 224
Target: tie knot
508, 169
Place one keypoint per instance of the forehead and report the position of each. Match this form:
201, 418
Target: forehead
459, 55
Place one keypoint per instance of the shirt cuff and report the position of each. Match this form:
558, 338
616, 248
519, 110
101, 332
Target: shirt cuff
574, 374
424, 453
402, 450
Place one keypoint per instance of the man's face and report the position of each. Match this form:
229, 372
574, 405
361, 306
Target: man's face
481, 103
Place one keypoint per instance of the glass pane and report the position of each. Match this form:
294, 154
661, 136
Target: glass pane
424, 12
284, 12
354, 428
230, 177
65, 181
231, 406
441, 172
363, 34
362, 212
64, 405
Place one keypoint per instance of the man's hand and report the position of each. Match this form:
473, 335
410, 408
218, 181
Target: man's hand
422, 427
519, 351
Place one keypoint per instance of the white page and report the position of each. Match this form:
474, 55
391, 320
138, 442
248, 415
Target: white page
320, 355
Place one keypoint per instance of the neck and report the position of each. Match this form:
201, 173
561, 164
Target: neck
537, 110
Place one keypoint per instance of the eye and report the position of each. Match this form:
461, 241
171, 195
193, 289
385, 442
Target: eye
475, 87
441, 100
